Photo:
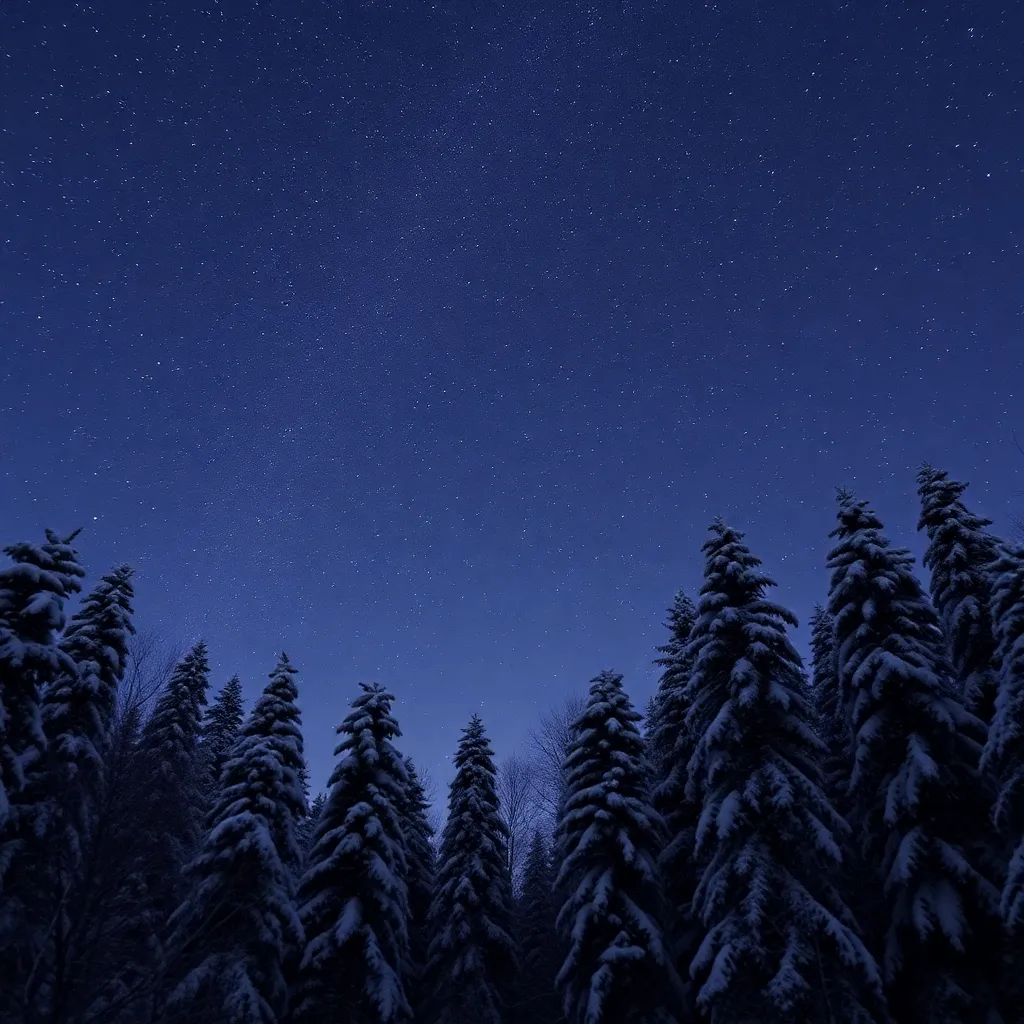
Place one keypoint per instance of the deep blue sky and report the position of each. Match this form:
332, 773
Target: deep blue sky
423, 341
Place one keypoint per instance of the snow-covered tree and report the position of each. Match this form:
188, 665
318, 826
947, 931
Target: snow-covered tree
306, 828
960, 555
1004, 751
353, 900
235, 934
471, 961
829, 708
222, 726
33, 592
780, 943
618, 969
917, 802
669, 748
537, 1000
419, 879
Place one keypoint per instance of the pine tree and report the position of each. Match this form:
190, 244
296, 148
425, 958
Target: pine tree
537, 937
1004, 751
353, 901
780, 944
234, 936
221, 727
829, 708
471, 961
307, 828
419, 879
670, 744
960, 555
917, 801
618, 969
32, 595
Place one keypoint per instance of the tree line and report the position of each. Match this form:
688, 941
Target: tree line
769, 842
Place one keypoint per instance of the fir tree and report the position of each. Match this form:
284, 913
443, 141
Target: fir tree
353, 901
780, 944
917, 802
960, 555
32, 595
222, 727
829, 707
235, 934
671, 745
537, 937
1004, 751
618, 969
471, 961
419, 878
306, 828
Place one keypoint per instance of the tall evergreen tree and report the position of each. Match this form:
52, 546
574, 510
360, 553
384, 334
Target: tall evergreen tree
1004, 751
960, 555
618, 969
829, 708
471, 961
780, 943
353, 900
537, 999
222, 726
234, 935
670, 747
307, 827
917, 801
419, 879
33, 592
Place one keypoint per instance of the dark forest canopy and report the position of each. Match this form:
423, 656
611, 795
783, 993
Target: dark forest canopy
770, 842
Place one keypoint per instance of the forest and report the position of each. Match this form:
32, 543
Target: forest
769, 841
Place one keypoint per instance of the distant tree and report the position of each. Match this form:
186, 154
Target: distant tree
237, 930
419, 880
549, 743
307, 827
829, 707
917, 801
670, 745
960, 555
517, 800
537, 1000
780, 943
471, 961
221, 727
618, 969
353, 898
1004, 751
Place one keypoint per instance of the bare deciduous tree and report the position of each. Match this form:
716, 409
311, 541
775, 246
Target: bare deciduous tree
549, 742
518, 806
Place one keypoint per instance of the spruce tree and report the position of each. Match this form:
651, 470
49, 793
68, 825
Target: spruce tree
353, 901
1004, 751
829, 708
780, 943
670, 744
307, 828
221, 727
234, 936
419, 879
471, 961
537, 999
33, 592
917, 801
618, 969
960, 555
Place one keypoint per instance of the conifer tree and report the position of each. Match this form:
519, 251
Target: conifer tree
917, 801
1004, 751
960, 555
471, 960
222, 726
670, 743
618, 969
307, 827
234, 936
828, 706
540, 958
353, 901
780, 944
32, 595
419, 879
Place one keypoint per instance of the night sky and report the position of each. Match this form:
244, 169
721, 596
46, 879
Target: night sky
423, 341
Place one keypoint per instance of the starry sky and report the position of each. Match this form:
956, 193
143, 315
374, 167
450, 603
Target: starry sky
423, 340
